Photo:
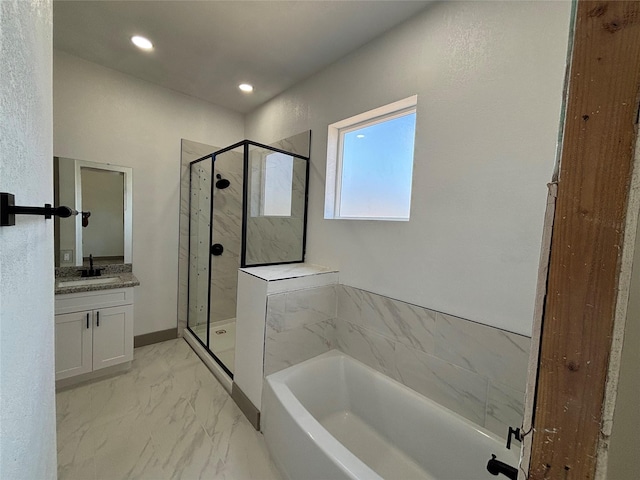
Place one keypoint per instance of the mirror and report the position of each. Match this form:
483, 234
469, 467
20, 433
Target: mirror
105, 191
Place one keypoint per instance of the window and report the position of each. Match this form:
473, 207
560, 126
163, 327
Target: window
370, 164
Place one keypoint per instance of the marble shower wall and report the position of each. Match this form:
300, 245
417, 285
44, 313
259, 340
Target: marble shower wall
477, 371
227, 231
299, 325
300, 144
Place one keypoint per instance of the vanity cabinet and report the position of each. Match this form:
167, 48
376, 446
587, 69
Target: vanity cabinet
94, 330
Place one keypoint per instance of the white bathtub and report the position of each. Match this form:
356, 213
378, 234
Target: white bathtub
333, 417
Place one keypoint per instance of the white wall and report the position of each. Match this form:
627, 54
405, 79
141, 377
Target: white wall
489, 76
27, 396
104, 116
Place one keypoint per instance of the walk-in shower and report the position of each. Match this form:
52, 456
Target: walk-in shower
247, 207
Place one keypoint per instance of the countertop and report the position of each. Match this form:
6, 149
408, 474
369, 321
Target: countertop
286, 271
125, 278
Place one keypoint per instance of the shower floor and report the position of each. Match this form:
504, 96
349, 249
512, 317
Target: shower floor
222, 340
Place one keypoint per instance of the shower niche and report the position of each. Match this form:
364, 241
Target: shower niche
247, 207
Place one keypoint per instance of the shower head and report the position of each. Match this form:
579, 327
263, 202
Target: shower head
222, 183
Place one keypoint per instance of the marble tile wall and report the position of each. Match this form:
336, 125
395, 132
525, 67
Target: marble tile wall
300, 144
475, 370
227, 231
274, 239
299, 325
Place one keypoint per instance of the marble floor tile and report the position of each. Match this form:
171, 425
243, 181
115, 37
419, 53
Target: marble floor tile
247, 456
73, 409
123, 448
166, 418
80, 470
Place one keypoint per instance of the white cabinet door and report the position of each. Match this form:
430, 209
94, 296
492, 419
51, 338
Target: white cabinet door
112, 336
73, 344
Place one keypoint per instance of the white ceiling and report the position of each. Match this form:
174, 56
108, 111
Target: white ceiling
206, 48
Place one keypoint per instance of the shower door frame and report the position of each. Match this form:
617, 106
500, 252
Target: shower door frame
245, 190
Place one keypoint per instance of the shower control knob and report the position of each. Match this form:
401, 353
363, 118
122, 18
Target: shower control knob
216, 249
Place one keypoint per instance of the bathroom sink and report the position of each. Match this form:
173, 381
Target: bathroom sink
89, 281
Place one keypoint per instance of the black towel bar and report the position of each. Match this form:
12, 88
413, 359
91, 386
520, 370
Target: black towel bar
9, 210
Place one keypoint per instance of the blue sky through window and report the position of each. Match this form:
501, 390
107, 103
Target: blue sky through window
377, 164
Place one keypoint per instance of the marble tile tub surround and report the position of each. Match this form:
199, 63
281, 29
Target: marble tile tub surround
255, 286
300, 325
475, 370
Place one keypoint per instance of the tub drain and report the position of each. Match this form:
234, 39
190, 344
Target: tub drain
220, 332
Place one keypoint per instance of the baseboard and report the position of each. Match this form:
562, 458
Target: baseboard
155, 337
102, 373
249, 409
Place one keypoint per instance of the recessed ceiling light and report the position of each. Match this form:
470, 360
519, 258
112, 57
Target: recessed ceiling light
245, 87
142, 42
360, 136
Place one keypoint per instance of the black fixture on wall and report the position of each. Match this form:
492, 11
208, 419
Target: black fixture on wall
9, 210
222, 183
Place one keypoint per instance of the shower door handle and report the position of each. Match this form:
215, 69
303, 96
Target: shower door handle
216, 249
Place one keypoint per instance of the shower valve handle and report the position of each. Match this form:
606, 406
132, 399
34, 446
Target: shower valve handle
216, 249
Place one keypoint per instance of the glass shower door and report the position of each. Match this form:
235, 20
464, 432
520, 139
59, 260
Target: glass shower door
199, 247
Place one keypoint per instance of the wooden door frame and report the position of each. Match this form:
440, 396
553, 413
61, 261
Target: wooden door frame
591, 244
